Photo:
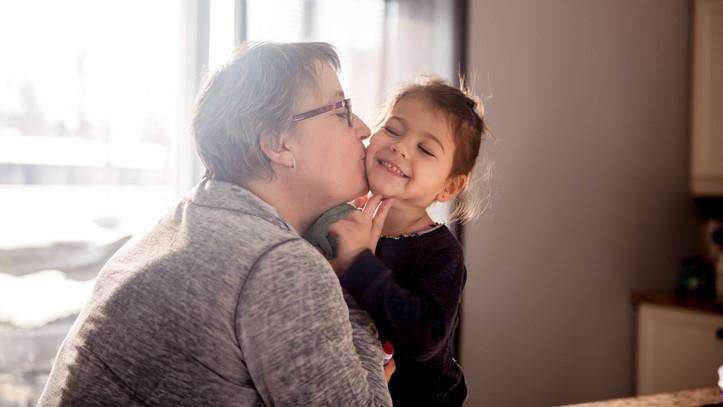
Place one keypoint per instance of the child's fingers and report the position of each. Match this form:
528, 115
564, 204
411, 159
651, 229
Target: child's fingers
354, 216
389, 370
339, 227
371, 206
381, 216
378, 221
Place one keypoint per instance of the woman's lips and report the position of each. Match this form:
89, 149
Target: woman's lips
392, 168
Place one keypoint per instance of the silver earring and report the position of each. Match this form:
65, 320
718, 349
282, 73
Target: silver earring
293, 162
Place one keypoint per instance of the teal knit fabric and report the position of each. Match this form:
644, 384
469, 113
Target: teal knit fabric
318, 233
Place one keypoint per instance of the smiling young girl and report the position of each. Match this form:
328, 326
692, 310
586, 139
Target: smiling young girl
424, 152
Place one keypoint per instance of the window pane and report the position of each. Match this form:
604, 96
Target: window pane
91, 118
87, 109
88, 101
354, 27
221, 35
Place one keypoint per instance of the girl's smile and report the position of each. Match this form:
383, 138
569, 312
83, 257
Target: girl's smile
392, 168
410, 157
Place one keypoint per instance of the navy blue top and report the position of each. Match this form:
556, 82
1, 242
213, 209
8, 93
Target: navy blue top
412, 289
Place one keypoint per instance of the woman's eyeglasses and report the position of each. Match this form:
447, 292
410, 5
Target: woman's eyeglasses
346, 104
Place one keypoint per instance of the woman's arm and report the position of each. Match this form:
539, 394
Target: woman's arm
295, 333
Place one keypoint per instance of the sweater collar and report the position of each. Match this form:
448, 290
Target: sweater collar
228, 196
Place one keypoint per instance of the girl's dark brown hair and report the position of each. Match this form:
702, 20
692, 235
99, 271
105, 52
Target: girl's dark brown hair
465, 115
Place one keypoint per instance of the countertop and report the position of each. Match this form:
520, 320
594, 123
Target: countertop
670, 299
697, 398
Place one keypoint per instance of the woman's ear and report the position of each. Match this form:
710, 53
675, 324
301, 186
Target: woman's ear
279, 154
454, 186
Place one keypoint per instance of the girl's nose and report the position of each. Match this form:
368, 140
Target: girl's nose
400, 149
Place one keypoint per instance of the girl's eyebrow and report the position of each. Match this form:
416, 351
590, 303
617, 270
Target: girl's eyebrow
404, 122
435, 139
426, 134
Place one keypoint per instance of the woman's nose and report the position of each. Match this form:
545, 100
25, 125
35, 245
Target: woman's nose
361, 130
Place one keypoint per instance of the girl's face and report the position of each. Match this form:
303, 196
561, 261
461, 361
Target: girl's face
410, 156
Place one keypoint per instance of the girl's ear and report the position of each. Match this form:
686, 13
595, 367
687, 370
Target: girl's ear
454, 186
279, 154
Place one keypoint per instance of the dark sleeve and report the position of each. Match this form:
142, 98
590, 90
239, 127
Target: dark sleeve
417, 322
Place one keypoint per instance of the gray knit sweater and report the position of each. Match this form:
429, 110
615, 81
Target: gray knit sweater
220, 304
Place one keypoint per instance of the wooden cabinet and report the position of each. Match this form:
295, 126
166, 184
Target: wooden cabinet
677, 348
707, 99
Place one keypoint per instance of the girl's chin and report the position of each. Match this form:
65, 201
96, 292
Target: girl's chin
381, 190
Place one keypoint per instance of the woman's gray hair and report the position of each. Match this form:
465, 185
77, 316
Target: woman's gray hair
253, 97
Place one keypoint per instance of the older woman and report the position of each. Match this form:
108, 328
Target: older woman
223, 303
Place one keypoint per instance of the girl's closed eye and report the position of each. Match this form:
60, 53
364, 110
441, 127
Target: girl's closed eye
391, 131
426, 150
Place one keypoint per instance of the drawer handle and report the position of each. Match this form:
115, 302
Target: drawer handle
719, 333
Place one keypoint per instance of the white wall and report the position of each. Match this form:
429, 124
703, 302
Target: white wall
590, 197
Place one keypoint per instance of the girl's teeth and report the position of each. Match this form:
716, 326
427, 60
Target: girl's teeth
393, 168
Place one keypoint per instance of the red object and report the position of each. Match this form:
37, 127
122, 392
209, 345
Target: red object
388, 348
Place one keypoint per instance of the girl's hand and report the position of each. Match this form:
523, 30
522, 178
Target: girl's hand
359, 231
389, 370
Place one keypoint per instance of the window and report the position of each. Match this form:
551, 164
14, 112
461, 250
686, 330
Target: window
355, 28
93, 110
95, 102
379, 41
88, 113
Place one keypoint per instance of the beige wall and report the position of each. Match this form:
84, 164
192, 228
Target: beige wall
589, 102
